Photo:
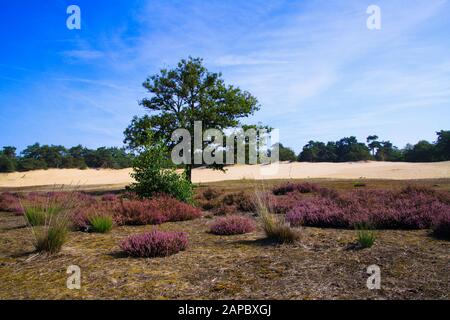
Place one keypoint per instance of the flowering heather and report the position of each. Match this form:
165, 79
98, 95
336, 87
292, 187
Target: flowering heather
110, 197
9, 202
405, 209
241, 200
154, 211
82, 217
232, 225
304, 187
139, 212
175, 210
210, 194
155, 244
224, 210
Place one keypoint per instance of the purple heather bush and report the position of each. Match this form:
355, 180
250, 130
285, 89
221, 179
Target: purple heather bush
155, 244
382, 209
10, 202
82, 217
155, 211
224, 210
231, 225
304, 187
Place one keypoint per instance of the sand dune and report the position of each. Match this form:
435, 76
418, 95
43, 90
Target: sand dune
349, 170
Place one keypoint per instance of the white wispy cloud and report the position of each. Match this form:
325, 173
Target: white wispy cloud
316, 69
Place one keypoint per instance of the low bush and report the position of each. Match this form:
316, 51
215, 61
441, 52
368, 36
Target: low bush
157, 210
100, 212
110, 197
210, 194
241, 200
10, 202
304, 187
139, 212
155, 244
175, 210
441, 227
404, 209
224, 210
232, 225
154, 174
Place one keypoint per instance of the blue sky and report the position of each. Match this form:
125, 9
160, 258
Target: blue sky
316, 69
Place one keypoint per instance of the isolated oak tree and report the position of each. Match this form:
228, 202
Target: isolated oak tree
185, 94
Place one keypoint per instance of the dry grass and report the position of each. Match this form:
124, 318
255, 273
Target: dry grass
274, 226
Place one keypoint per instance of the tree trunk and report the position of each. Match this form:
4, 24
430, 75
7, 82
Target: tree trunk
189, 172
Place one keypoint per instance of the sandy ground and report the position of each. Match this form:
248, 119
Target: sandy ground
298, 170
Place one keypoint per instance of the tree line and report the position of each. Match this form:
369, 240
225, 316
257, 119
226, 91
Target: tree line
350, 149
38, 156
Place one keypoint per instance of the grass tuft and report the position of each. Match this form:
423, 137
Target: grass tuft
365, 236
275, 228
101, 224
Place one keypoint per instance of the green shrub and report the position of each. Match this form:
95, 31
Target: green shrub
7, 164
101, 224
154, 174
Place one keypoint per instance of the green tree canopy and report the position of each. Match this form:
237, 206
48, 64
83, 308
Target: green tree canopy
183, 95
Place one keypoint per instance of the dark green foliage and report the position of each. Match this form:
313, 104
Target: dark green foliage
183, 95
346, 149
349, 149
153, 175
286, 154
37, 157
442, 147
423, 151
7, 164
